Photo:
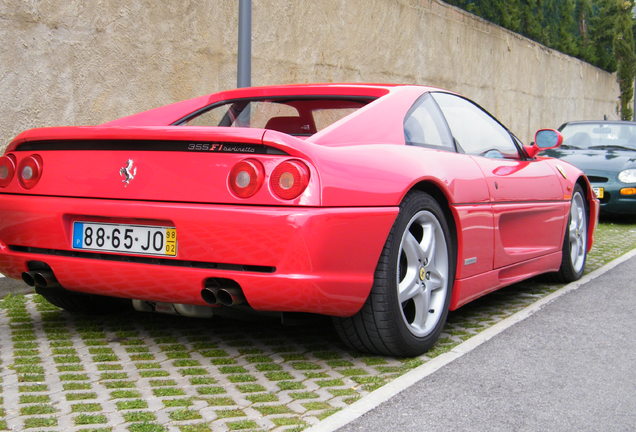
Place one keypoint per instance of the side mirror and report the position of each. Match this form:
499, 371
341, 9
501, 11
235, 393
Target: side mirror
544, 139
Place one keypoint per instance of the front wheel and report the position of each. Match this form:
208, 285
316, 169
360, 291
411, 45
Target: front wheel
574, 252
408, 304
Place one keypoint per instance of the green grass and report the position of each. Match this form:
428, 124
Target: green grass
228, 413
80, 396
146, 427
168, 391
290, 385
153, 373
181, 402
241, 378
273, 409
279, 376
37, 409
286, 421
220, 401
76, 386
39, 422
86, 419
314, 406
203, 380
25, 399
305, 366
185, 414
124, 394
304, 395
210, 390
86, 407
139, 416
250, 388
243, 424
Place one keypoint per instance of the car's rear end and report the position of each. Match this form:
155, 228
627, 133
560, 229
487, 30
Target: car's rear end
186, 215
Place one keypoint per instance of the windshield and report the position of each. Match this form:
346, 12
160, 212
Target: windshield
600, 136
299, 117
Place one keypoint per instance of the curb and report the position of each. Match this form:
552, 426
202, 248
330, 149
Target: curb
383, 394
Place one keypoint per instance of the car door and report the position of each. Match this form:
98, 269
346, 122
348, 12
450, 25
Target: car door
425, 126
526, 195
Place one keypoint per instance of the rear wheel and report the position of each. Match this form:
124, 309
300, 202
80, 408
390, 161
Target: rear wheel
408, 304
88, 304
574, 253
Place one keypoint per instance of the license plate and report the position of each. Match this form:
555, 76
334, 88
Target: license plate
134, 239
599, 191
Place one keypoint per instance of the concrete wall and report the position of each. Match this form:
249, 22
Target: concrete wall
73, 62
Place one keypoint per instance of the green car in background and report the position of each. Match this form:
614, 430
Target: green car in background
606, 152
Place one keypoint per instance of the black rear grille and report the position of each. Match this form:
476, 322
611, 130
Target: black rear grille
144, 260
150, 145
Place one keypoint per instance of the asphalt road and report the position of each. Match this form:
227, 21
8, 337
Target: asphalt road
571, 366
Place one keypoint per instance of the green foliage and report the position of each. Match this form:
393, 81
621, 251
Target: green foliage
625, 57
600, 32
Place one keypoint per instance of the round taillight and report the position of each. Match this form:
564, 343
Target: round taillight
289, 179
246, 178
7, 169
30, 171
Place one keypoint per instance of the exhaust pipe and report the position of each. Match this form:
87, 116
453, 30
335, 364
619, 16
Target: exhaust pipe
222, 291
230, 296
40, 279
29, 278
210, 295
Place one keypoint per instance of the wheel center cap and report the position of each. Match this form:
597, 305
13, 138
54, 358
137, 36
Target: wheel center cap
422, 273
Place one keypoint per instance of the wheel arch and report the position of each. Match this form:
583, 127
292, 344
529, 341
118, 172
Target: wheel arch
593, 208
441, 197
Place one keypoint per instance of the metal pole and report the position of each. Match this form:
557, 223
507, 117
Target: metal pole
244, 69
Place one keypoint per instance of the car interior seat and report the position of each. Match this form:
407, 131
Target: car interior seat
290, 125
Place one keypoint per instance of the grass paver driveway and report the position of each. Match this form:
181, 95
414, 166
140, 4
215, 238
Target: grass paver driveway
150, 372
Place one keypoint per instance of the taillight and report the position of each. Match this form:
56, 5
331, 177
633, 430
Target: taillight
289, 179
246, 178
30, 171
7, 169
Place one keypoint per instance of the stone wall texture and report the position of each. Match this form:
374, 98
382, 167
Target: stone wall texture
78, 62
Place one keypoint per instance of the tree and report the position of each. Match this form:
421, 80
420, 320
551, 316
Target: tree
625, 56
583, 12
602, 27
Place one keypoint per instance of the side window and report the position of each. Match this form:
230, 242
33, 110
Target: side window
424, 125
476, 131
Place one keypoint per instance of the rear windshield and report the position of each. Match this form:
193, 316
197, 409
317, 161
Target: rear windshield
599, 136
299, 117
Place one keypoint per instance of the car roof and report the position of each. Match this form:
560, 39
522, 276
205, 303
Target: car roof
597, 122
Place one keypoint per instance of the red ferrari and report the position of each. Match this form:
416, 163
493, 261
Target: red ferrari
382, 206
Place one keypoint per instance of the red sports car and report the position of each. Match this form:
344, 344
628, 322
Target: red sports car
382, 206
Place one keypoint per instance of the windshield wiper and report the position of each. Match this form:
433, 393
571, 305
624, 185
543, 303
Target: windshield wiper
569, 146
611, 147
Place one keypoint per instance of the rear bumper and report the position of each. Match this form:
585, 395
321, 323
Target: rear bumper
318, 260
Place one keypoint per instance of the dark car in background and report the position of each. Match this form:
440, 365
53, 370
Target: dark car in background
606, 152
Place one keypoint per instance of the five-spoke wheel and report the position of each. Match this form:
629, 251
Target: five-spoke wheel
574, 251
408, 304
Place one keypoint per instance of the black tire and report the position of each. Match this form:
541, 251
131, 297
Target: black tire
85, 304
574, 252
386, 325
